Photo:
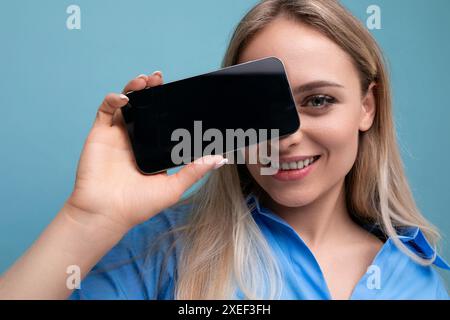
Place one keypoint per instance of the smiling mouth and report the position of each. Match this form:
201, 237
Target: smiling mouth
292, 165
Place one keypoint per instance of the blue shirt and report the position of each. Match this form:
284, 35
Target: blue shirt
128, 272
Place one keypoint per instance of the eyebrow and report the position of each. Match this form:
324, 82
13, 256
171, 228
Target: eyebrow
315, 85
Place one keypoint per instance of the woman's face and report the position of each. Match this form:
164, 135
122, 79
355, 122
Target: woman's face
327, 91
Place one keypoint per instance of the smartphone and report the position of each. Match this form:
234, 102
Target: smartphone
250, 96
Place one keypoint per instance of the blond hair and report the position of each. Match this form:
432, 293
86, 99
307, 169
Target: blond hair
223, 248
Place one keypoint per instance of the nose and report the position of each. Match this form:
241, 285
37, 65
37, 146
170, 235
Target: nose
291, 141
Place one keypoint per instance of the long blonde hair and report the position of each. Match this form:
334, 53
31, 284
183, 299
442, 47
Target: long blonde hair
223, 248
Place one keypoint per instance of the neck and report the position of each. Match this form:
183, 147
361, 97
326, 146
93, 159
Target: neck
325, 220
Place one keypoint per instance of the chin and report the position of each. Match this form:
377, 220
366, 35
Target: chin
292, 199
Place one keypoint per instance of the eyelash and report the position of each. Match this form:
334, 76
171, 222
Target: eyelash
328, 101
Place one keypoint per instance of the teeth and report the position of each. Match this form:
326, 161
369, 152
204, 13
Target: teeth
285, 166
292, 165
275, 165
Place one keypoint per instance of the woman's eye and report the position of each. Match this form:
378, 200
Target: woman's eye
318, 101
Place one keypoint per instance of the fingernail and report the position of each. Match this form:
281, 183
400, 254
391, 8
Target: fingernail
157, 73
221, 163
209, 159
144, 76
123, 97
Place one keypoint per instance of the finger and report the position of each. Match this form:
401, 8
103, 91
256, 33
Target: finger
194, 171
144, 81
110, 104
138, 83
155, 79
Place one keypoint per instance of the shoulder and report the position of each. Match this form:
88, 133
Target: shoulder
404, 278
142, 264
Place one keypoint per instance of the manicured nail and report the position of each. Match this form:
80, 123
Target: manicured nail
157, 73
221, 163
123, 97
209, 159
144, 76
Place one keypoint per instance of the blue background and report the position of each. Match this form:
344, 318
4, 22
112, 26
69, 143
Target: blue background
53, 79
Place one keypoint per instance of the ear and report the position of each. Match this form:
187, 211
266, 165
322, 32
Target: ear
368, 109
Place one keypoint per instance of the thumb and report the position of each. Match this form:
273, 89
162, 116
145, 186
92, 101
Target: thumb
194, 171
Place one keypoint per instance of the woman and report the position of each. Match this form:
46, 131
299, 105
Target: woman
338, 221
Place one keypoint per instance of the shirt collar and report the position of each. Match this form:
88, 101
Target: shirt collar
412, 237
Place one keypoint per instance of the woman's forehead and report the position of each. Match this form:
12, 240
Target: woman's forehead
307, 54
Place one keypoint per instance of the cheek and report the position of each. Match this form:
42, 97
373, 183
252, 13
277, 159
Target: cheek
336, 134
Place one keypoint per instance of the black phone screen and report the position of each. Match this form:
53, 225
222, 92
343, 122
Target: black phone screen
252, 95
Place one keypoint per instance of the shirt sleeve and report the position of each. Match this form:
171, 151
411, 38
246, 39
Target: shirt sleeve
140, 267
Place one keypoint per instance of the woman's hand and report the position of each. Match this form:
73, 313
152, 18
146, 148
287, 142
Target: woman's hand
108, 184
110, 196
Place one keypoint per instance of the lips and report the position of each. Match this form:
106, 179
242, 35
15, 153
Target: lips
297, 169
